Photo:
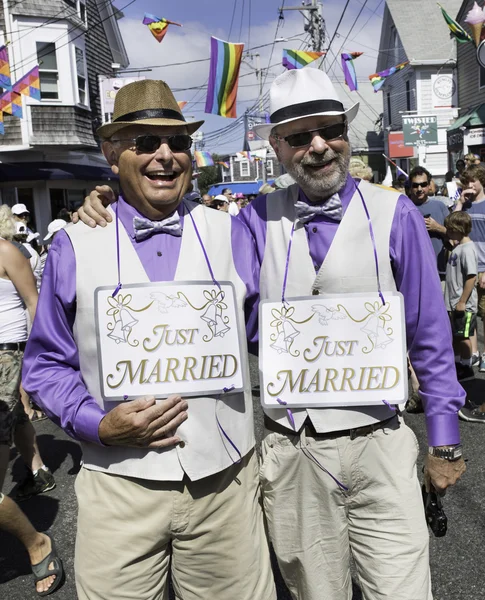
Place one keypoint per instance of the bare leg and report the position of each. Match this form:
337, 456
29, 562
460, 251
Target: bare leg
26, 443
465, 349
414, 379
474, 341
14, 521
24, 398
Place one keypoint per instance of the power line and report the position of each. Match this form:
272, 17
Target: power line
242, 20
336, 31
232, 20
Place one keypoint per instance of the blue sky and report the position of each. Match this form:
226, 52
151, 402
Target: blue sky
201, 19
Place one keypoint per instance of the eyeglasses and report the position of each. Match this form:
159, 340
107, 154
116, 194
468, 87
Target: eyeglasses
304, 138
419, 185
148, 144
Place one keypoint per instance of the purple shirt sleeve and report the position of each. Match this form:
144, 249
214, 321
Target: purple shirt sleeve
427, 323
51, 372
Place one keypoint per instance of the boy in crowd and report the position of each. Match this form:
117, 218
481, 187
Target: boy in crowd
460, 292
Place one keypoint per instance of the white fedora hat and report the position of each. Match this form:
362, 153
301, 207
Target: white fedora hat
303, 93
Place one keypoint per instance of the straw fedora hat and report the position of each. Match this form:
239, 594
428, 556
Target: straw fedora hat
303, 93
146, 102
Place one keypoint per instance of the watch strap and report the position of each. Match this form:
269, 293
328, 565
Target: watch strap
452, 453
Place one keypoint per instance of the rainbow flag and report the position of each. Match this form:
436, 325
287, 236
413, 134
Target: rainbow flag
182, 104
224, 164
378, 79
203, 159
349, 69
2, 128
5, 80
456, 29
296, 59
29, 84
11, 103
223, 78
157, 26
245, 154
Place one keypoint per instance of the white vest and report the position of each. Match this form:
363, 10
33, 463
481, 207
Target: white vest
206, 450
348, 267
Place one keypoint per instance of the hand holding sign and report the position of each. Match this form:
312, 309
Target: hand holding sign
143, 423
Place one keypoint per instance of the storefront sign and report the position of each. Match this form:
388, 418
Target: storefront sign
397, 149
168, 338
444, 91
475, 137
420, 131
347, 350
109, 88
454, 140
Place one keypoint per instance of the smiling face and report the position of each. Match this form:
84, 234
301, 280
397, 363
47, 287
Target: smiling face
321, 168
419, 189
154, 183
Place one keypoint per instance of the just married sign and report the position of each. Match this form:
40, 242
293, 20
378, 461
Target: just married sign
168, 338
344, 350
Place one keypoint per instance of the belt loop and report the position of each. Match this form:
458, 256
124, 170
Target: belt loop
352, 434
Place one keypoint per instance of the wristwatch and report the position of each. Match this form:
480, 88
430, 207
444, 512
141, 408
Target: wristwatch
450, 453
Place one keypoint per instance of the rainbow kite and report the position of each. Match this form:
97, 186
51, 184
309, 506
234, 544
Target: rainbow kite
5, 81
11, 103
349, 69
378, 79
296, 59
203, 159
223, 78
29, 84
2, 128
157, 26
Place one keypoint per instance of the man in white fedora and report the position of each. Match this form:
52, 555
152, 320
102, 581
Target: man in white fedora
338, 481
173, 483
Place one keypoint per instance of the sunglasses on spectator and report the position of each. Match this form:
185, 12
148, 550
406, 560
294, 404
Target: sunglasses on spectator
418, 185
148, 144
304, 138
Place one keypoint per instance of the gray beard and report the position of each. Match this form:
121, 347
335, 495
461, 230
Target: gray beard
319, 187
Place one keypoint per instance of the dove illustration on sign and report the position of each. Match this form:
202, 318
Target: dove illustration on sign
326, 313
164, 302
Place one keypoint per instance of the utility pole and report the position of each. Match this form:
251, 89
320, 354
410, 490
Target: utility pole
314, 23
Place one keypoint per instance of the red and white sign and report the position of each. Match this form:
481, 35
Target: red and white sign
397, 149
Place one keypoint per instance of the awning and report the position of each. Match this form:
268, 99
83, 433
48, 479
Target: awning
44, 171
238, 187
473, 118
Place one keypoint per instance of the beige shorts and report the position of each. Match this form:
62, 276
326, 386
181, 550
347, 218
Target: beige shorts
209, 533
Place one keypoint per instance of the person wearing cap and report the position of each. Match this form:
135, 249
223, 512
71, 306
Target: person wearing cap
232, 207
345, 477
220, 202
163, 483
21, 214
54, 227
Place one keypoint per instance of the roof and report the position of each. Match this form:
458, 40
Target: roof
43, 171
423, 32
238, 187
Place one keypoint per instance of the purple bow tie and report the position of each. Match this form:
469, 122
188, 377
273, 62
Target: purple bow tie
332, 209
144, 228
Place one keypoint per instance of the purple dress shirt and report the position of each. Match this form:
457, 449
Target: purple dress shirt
427, 324
51, 372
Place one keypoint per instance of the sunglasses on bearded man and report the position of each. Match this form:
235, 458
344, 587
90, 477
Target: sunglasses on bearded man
148, 144
304, 138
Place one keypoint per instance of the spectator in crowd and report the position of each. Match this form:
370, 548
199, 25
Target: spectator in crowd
460, 166
471, 160
460, 291
359, 169
220, 202
161, 487
472, 201
206, 199
65, 215
399, 184
17, 290
22, 237
232, 207
22, 214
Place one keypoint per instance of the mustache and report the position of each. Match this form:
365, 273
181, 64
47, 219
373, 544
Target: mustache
319, 161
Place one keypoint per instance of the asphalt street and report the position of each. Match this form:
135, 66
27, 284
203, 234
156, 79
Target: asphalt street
456, 560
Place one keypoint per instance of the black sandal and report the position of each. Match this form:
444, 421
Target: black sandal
41, 570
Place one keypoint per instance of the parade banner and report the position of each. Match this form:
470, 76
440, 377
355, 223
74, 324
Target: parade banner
168, 338
420, 131
347, 350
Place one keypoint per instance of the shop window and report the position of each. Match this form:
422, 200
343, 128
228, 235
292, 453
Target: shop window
49, 75
270, 167
69, 199
244, 168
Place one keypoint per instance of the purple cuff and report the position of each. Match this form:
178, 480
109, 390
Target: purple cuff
88, 418
443, 430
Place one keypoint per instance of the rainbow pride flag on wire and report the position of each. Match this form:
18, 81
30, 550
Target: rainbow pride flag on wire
11, 103
182, 104
203, 159
5, 80
29, 84
296, 59
378, 79
349, 69
223, 78
157, 26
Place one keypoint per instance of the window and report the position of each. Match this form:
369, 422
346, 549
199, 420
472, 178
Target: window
49, 75
244, 168
408, 95
394, 45
389, 112
81, 76
82, 11
270, 167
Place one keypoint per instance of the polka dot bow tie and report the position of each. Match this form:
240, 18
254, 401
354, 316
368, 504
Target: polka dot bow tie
144, 228
332, 209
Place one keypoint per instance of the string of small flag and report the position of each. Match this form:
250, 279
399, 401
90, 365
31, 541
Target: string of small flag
203, 159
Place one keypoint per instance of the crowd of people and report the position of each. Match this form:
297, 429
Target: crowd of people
174, 487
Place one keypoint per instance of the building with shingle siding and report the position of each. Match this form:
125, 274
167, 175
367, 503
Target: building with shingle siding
50, 158
415, 31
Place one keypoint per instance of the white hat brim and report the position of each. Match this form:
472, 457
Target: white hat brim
264, 131
48, 236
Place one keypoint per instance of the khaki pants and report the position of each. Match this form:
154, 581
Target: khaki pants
210, 533
313, 524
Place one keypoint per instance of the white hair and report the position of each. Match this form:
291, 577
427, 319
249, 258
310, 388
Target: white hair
7, 223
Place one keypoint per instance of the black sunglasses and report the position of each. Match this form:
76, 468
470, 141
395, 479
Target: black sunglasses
304, 138
148, 144
422, 185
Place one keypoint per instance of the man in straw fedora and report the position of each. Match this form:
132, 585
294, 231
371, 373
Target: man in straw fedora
341, 480
167, 482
